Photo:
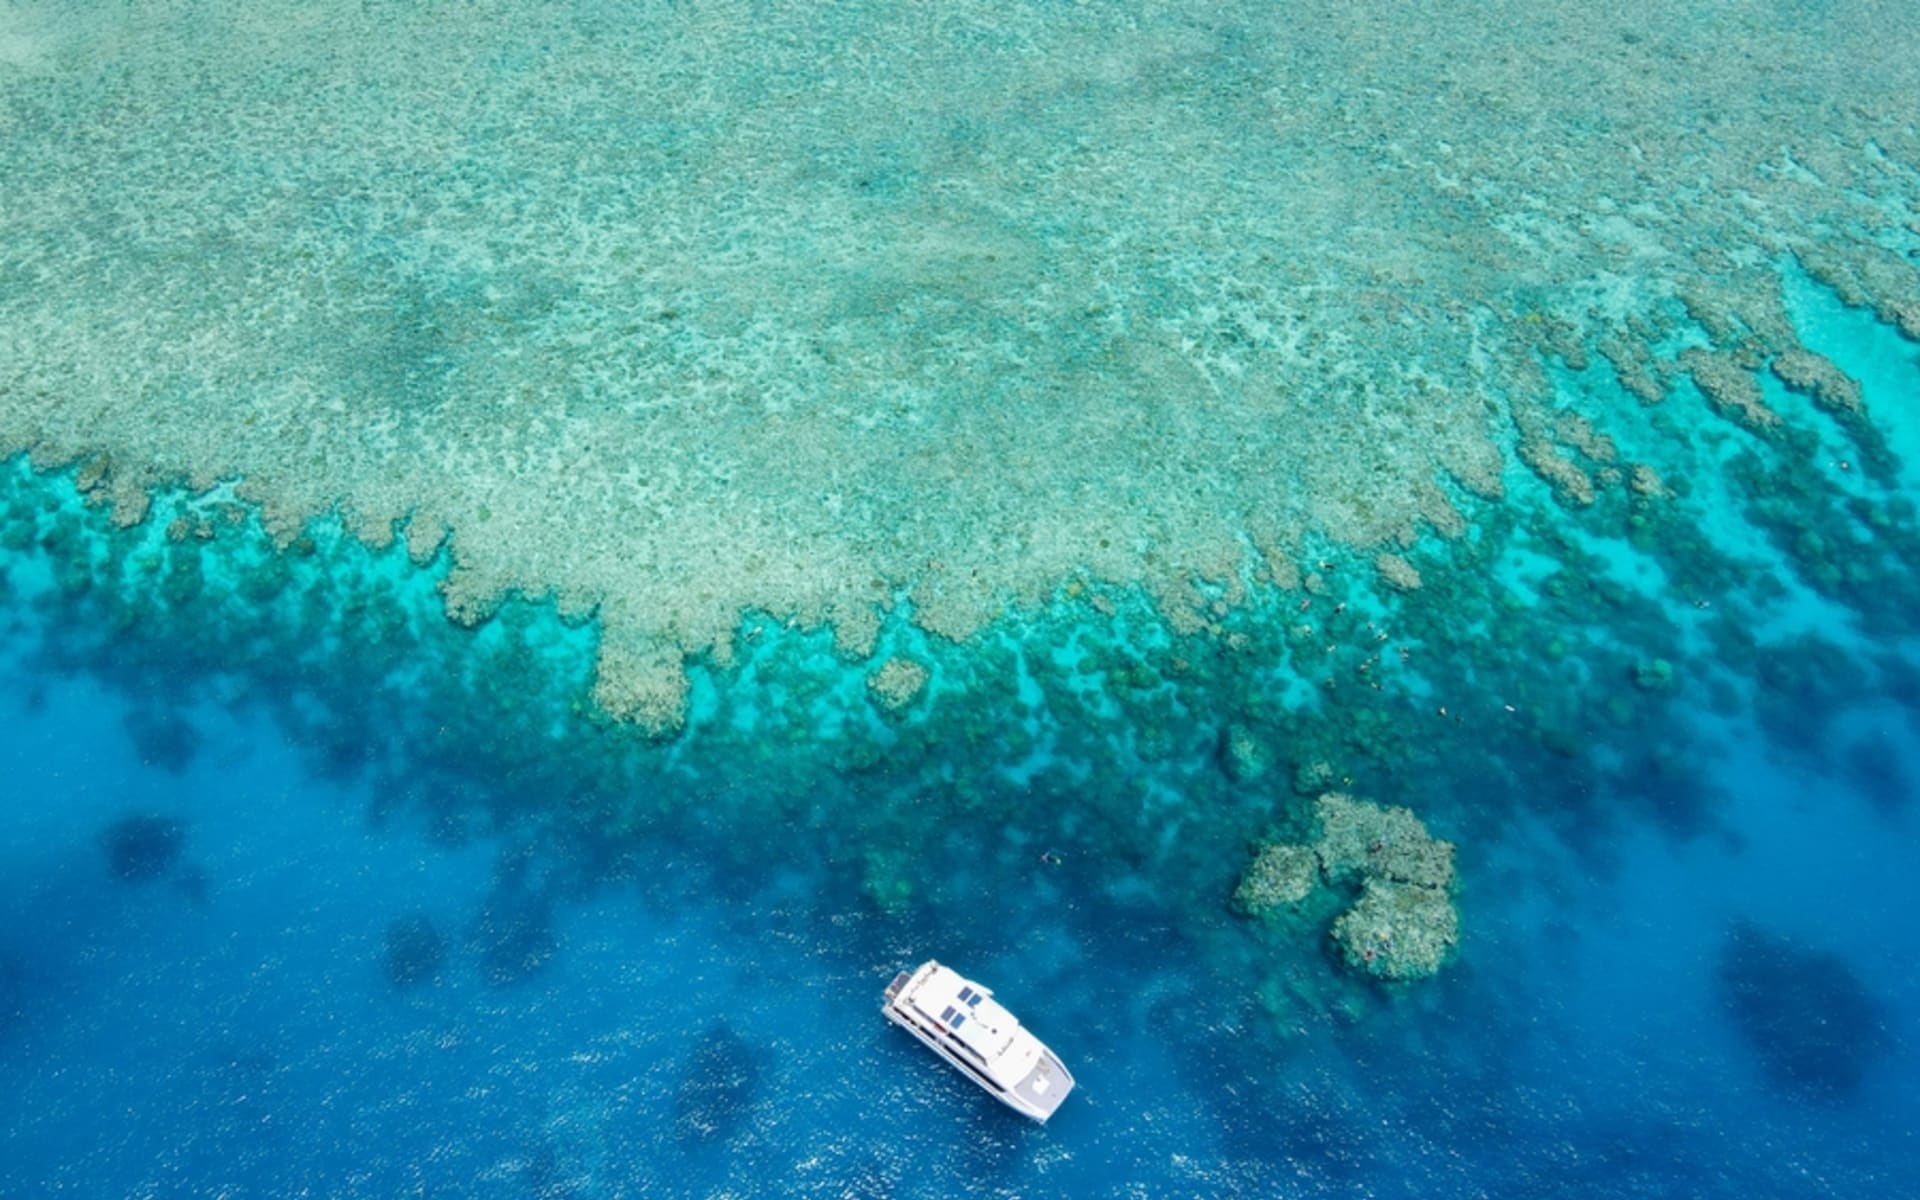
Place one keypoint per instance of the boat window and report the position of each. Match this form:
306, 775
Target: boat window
959, 1019
966, 995
973, 1001
946, 1014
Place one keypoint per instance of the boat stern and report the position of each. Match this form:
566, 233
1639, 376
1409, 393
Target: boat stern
1044, 1087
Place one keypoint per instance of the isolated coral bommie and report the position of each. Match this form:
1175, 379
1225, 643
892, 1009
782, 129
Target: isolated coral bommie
1401, 923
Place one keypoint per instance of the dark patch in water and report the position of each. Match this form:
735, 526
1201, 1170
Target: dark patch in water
13, 991
449, 829
1615, 1156
547, 1178
1873, 769
338, 753
192, 883
717, 1086
1814, 1026
1670, 788
245, 1068
446, 807
162, 738
415, 950
237, 1089
514, 937
142, 849
1320, 1137
1802, 681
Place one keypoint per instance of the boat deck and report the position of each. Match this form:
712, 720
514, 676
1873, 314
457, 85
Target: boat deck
958, 1020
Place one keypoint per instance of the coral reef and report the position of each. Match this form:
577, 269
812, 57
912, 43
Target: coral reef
1403, 924
642, 681
1579, 433
898, 683
1815, 376
668, 387
1245, 756
1570, 484
1439, 511
1280, 875
1633, 367
1867, 276
1653, 675
1523, 645
1397, 573
1839, 395
1358, 839
1398, 931
1731, 390
1313, 776
886, 878
1644, 481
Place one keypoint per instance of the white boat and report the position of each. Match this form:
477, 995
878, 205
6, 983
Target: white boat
964, 1024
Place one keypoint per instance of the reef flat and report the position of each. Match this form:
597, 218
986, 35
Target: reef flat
839, 312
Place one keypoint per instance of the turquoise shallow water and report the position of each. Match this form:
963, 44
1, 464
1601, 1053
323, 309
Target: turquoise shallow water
546, 553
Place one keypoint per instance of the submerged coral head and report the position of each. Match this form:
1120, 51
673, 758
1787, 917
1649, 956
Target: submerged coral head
1815, 1028
141, 849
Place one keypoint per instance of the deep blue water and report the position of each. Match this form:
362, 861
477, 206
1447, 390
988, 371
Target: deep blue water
213, 1013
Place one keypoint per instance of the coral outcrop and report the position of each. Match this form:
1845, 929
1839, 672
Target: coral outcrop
1281, 875
1402, 925
1653, 675
898, 683
1397, 573
1398, 930
1731, 390
1244, 756
1361, 840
